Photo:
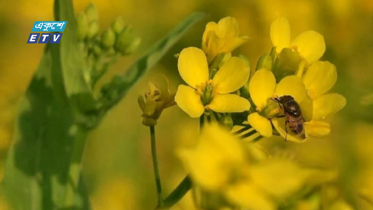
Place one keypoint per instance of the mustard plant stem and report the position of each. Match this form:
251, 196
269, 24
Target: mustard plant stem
155, 166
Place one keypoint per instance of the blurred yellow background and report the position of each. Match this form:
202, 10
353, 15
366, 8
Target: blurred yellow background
117, 164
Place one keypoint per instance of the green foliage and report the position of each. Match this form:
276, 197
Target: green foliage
57, 112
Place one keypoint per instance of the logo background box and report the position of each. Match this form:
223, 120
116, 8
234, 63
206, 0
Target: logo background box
46, 39
49, 29
53, 36
35, 39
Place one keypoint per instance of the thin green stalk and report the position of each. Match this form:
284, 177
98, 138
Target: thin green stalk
75, 167
155, 166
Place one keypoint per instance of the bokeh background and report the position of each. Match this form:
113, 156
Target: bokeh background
117, 164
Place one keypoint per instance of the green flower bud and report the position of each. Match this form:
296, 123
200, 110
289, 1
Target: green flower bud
108, 38
287, 63
126, 42
91, 12
97, 50
118, 25
265, 62
271, 110
227, 121
93, 29
134, 45
82, 26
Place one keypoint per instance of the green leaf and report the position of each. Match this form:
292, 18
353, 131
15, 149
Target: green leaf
42, 170
38, 171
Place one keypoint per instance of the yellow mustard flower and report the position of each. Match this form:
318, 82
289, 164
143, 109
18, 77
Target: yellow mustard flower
156, 99
306, 91
212, 94
319, 78
218, 163
221, 163
221, 37
262, 88
310, 44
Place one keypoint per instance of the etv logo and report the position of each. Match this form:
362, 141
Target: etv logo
44, 26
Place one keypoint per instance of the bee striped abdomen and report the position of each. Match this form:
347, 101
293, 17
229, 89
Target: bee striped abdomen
296, 125
293, 114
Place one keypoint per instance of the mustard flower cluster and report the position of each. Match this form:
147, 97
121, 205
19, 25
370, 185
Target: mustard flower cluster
287, 95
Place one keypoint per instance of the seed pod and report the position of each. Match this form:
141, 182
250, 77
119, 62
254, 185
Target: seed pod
93, 29
82, 25
91, 12
118, 25
108, 38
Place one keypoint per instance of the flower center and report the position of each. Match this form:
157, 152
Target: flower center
206, 91
270, 110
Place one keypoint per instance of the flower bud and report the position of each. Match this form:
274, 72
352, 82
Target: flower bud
93, 29
118, 25
134, 45
227, 121
271, 110
82, 25
126, 42
96, 50
155, 101
108, 38
91, 12
265, 62
287, 62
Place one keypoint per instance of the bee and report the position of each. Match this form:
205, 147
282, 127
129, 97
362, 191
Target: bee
293, 115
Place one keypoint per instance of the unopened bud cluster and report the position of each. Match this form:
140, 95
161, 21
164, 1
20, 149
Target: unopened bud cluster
101, 49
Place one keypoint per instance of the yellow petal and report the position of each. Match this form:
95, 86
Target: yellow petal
211, 43
193, 67
189, 101
280, 33
278, 177
229, 103
231, 44
319, 78
216, 154
261, 124
248, 195
231, 76
327, 105
293, 86
204, 169
317, 129
279, 124
261, 87
211, 27
306, 107
310, 45
227, 27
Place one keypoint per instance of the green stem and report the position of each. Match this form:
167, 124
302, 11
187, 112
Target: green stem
155, 166
75, 167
